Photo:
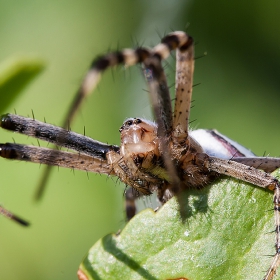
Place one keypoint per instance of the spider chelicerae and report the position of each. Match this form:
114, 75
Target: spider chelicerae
162, 157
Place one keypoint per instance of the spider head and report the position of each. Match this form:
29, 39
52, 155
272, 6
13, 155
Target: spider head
135, 130
138, 135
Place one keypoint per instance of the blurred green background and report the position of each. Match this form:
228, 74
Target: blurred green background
239, 95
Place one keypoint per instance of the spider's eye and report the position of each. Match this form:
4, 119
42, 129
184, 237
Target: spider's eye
137, 121
129, 123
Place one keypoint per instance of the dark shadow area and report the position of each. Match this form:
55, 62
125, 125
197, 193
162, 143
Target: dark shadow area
199, 204
109, 245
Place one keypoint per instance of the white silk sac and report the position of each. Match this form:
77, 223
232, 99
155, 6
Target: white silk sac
218, 145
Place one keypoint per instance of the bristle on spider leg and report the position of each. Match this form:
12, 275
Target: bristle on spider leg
200, 56
33, 116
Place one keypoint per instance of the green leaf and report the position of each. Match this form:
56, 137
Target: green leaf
224, 231
15, 73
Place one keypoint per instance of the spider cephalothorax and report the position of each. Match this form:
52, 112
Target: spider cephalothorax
162, 157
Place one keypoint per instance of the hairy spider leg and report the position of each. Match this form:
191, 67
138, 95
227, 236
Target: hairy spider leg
184, 85
267, 164
91, 154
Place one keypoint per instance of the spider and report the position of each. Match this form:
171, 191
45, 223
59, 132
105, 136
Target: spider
163, 157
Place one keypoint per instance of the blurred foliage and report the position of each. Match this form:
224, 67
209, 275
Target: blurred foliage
15, 74
238, 95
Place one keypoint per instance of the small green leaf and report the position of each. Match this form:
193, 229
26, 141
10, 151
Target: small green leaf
224, 231
15, 73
